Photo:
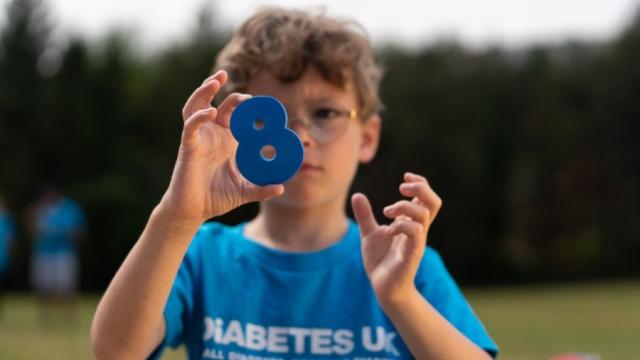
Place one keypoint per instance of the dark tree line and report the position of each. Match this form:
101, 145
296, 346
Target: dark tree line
535, 152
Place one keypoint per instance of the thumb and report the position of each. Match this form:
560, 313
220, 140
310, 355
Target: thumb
363, 213
259, 193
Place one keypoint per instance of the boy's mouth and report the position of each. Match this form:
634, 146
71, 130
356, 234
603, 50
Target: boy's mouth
310, 167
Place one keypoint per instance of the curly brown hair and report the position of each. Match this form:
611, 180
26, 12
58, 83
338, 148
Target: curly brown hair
284, 42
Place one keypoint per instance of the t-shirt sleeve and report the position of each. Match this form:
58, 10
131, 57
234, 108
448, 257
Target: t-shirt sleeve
440, 289
178, 311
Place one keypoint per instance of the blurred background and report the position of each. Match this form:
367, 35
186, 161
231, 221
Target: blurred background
523, 115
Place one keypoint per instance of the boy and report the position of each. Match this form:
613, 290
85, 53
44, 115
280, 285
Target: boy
301, 280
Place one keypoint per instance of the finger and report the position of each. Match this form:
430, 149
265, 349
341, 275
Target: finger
423, 192
363, 213
260, 193
191, 126
416, 212
201, 97
413, 230
228, 105
412, 177
216, 76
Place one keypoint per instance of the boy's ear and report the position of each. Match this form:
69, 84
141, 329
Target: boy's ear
370, 138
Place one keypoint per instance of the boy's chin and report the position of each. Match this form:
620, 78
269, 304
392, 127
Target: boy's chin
301, 197
294, 199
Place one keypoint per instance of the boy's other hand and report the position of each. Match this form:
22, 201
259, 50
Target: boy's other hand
392, 253
205, 181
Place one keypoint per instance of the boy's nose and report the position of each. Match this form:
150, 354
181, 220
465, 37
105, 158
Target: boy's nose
302, 131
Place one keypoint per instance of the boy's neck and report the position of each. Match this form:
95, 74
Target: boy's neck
298, 230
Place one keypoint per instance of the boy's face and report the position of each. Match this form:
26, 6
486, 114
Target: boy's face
329, 166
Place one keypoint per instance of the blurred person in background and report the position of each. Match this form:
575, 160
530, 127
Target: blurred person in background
56, 223
7, 237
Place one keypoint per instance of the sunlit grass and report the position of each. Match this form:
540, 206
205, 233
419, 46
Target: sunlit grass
527, 322
540, 321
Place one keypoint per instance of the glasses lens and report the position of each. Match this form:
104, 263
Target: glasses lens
327, 123
323, 124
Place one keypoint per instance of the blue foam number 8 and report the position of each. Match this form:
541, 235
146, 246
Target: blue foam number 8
259, 123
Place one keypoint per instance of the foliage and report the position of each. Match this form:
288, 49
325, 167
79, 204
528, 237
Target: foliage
534, 151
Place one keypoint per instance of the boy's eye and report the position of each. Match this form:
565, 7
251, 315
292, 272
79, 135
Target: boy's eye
325, 113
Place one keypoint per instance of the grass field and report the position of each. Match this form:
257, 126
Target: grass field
527, 322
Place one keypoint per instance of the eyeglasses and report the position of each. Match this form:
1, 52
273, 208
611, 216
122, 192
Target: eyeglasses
324, 123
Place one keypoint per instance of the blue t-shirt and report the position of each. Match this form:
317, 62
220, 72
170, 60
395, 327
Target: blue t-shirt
235, 299
7, 236
56, 227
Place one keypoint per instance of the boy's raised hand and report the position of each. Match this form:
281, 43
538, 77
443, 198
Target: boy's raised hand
205, 181
392, 253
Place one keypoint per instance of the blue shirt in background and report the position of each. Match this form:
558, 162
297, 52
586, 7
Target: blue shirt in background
56, 227
7, 236
236, 299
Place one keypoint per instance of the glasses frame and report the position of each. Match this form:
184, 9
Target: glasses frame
308, 125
